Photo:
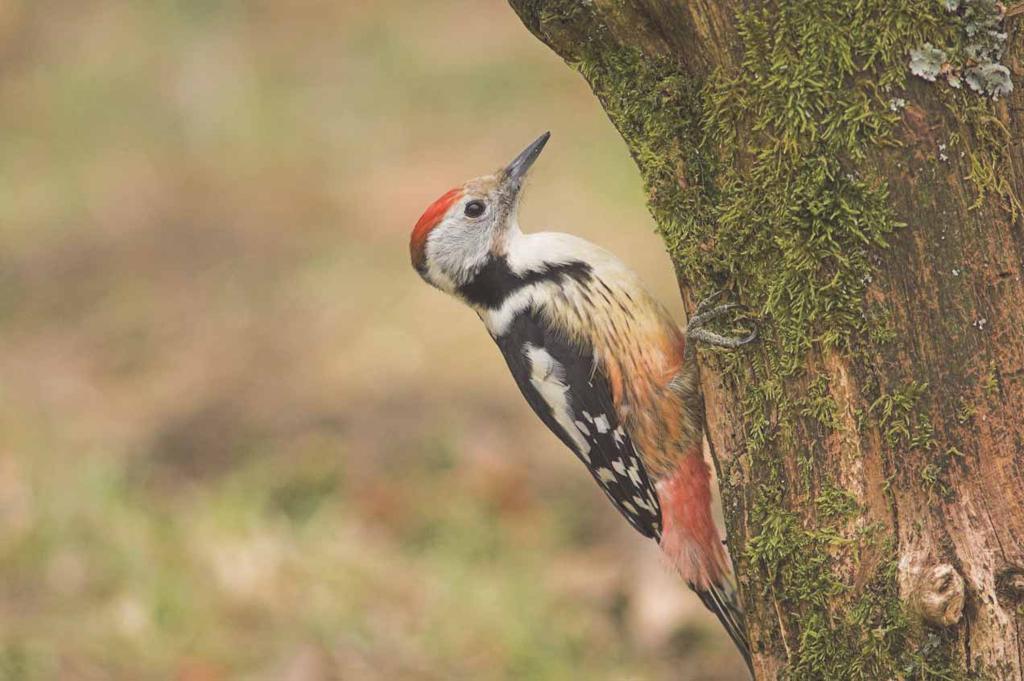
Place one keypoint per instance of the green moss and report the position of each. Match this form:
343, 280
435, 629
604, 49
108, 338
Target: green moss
836, 503
990, 382
868, 639
906, 426
931, 476
935, 473
965, 411
878, 321
983, 140
819, 404
902, 419
794, 560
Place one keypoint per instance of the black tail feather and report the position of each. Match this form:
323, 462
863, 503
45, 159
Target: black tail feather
723, 604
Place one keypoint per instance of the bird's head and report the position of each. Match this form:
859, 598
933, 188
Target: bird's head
468, 225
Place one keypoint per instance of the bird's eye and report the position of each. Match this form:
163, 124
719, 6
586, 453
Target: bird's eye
475, 209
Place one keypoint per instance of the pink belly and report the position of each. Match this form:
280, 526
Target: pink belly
689, 537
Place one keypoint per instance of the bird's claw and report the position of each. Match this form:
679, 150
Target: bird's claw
705, 312
701, 318
705, 304
712, 338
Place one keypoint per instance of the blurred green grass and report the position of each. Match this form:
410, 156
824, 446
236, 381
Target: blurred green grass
238, 437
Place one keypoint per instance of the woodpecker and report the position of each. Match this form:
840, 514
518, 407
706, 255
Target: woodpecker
599, 361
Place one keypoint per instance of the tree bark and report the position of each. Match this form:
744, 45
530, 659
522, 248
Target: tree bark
871, 446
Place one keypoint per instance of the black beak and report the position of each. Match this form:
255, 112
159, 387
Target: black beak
516, 170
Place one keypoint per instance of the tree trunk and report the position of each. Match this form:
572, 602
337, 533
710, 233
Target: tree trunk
871, 445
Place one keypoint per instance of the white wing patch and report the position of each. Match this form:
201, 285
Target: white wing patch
548, 379
634, 471
642, 504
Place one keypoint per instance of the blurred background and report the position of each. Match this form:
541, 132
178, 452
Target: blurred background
239, 437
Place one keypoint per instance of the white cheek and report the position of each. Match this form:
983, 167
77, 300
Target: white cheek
439, 278
455, 251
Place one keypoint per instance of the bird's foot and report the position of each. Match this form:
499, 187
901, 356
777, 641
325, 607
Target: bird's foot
706, 312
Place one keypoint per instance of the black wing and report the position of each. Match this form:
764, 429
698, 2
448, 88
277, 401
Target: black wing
571, 395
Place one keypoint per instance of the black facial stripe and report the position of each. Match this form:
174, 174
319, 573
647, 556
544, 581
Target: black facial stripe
496, 281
